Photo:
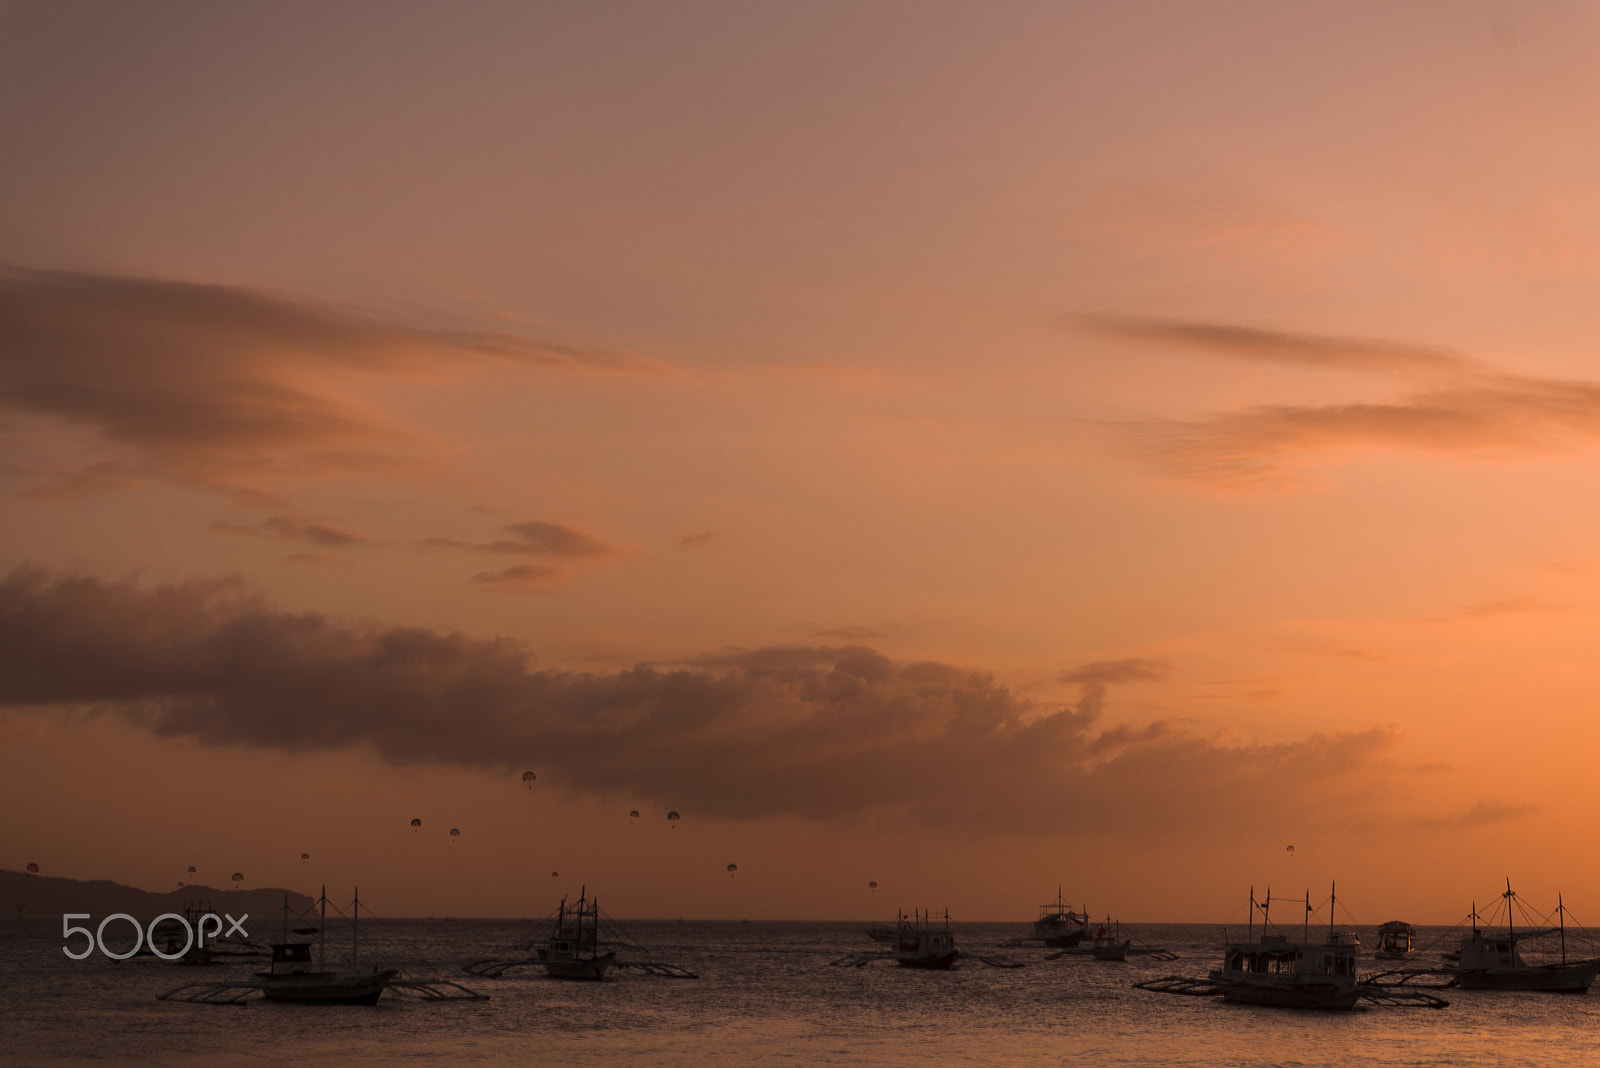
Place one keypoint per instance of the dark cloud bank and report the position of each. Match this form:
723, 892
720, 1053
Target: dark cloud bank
819, 733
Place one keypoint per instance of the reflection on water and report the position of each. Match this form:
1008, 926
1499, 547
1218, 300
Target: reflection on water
766, 996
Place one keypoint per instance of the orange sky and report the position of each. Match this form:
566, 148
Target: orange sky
971, 448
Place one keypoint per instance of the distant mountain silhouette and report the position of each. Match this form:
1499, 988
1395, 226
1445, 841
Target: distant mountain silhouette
48, 897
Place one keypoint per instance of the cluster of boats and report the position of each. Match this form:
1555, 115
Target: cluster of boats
1305, 973
1272, 968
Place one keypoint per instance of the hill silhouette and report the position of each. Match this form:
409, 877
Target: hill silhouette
48, 897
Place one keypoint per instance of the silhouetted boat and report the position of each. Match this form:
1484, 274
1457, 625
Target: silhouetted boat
294, 977
572, 951
1490, 960
1291, 975
1058, 926
1109, 944
918, 944
1396, 941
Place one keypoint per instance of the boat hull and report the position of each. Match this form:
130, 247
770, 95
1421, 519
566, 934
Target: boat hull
1293, 995
935, 962
1551, 979
592, 969
327, 988
1115, 952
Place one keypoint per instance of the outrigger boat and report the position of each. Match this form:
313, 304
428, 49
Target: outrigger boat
1396, 941
293, 976
572, 950
918, 944
1492, 960
1109, 943
1058, 926
1293, 975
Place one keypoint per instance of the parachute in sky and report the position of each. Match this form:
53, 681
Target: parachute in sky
191, 869
33, 869
304, 857
416, 826
1290, 851
673, 817
238, 876
633, 814
732, 868
530, 778
455, 832
873, 887
555, 875
180, 884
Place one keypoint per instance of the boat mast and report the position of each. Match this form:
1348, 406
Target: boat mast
1333, 896
1561, 911
1511, 933
1250, 925
322, 927
355, 924
1305, 924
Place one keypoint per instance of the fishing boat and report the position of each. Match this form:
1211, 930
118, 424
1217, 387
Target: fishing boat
1108, 942
918, 944
1396, 941
572, 949
1303, 974
294, 976
1058, 926
1492, 960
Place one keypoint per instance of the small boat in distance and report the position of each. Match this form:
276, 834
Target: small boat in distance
918, 944
572, 949
1492, 960
1109, 943
1058, 926
1396, 941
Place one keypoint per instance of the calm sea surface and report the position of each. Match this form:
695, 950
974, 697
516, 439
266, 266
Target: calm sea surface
767, 996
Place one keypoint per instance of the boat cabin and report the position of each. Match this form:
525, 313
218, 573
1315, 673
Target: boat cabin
1396, 940
1485, 950
293, 958
1275, 955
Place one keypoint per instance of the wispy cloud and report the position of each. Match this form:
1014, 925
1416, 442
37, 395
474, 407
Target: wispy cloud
1483, 814
697, 540
293, 528
542, 538
823, 733
221, 385
1456, 407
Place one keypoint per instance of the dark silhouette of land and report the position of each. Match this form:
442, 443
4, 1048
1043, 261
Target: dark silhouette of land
48, 897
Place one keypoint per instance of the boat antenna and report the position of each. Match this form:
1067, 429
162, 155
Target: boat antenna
355, 923
1511, 934
1250, 927
322, 927
1305, 924
1333, 896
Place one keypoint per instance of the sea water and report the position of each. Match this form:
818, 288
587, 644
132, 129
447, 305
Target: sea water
767, 995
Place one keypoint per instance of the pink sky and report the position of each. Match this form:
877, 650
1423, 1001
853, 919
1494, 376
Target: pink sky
971, 448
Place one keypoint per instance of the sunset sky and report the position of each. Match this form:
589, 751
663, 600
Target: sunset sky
973, 448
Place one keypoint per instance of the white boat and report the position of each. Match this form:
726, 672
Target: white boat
1396, 941
1492, 960
919, 944
1058, 926
1303, 974
572, 949
295, 977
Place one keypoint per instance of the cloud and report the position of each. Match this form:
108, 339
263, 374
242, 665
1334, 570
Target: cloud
221, 385
324, 559
524, 578
1483, 814
698, 540
542, 538
849, 632
815, 732
294, 528
1458, 407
